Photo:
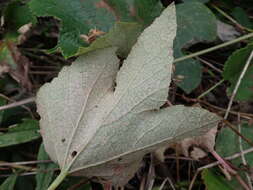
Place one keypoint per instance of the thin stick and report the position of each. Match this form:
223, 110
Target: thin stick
230, 18
233, 128
238, 84
250, 35
244, 115
209, 65
217, 163
163, 184
11, 100
18, 103
210, 89
244, 162
27, 168
24, 163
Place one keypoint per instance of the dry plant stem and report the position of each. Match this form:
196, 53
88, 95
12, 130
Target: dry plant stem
230, 18
18, 103
210, 89
177, 164
78, 185
244, 115
151, 175
24, 163
30, 173
217, 163
180, 158
242, 183
247, 116
11, 100
238, 84
164, 182
18, 166
171, 184
22, 174
209, 64
250, 35
244, 162
237, 132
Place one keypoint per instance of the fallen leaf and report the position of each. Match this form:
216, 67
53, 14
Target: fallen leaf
90, 129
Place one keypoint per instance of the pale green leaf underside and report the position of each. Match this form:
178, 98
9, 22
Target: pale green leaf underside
111, 130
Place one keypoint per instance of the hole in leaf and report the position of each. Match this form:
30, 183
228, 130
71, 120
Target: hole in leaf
73, 154
119, 159
63, 140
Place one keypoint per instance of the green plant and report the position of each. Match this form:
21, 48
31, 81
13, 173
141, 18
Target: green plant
121, 90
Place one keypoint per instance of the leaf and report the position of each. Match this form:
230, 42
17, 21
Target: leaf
227, 144
9, 183
241, 16
147, 10
232, 70
79, 17
20, 133
215, 181
196, 23
16, 15
126, 35
43, 179
80, 110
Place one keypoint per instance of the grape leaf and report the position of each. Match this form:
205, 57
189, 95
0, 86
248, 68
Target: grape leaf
9, 183
196, 23
228, 144
215, 181
79, 17
16, 15
232, 70
20, 133
90, 129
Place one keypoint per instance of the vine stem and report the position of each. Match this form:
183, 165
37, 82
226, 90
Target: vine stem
214, 48
238, 84
59, 179
210, 89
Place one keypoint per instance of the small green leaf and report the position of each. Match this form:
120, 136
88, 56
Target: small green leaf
227, 144
214, 181
16, 15
9, 183
241, 16
147, 10
232, 70
77, 17
43, 179
196, 23
20, 133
